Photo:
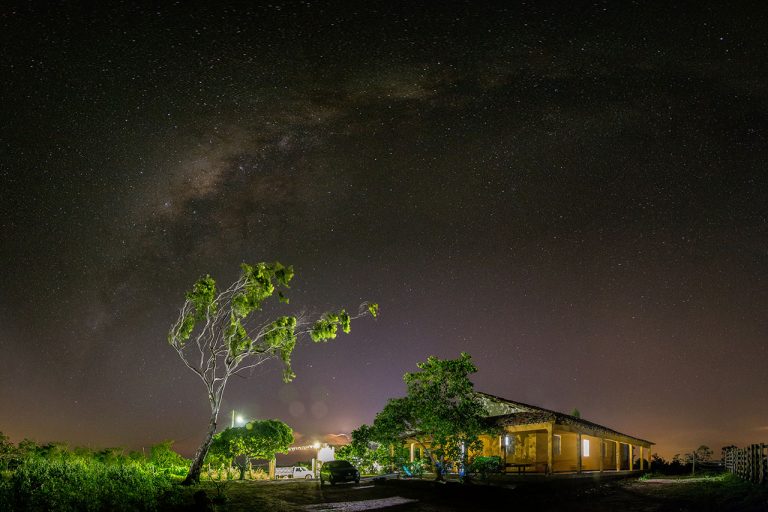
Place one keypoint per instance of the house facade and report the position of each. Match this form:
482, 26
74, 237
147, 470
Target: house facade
530, 439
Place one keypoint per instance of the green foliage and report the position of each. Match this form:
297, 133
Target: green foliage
54, 477
327, 326
576, 413
162, 456
260, 282
485, 466
260, 439
229, 338
79, 485
237, 337
281, 339
440, 411
415, 468
7, 451
203, 298
366, 454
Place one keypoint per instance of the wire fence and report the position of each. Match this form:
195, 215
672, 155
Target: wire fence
750, 463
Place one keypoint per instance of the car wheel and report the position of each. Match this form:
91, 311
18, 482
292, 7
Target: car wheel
357, 480
333, 483
308, 477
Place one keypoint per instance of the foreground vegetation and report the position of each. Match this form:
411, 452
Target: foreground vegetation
714, 491
54, 477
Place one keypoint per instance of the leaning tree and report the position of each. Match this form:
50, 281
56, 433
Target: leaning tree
219, 334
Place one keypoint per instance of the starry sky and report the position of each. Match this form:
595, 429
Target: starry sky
576, 196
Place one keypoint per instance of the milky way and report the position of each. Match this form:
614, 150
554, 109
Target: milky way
575, 196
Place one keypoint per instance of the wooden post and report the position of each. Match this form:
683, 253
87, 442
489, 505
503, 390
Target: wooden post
412, 444
642, 461
631, 465
578, 450
272, 464
550, 448
618, 456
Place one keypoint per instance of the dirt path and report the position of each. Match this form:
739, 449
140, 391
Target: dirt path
632, 495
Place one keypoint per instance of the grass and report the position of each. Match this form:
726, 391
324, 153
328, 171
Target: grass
708, 492
78, 485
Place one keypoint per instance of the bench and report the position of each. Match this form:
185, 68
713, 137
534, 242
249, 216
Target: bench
520, 467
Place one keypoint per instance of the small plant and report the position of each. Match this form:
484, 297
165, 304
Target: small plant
416, 468
220, 492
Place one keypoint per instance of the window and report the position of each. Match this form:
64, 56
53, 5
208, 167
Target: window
585, 447
556, 445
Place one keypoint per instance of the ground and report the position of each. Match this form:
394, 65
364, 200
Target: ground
723, 493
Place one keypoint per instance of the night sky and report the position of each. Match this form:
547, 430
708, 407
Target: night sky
575, 196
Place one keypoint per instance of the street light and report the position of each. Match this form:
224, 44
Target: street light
316, 446
237, 419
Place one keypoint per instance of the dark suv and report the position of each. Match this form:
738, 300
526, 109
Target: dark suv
339, 471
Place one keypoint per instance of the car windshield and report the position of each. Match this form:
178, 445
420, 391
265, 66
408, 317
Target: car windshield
338, 464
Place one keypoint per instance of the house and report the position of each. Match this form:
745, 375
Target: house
531, 439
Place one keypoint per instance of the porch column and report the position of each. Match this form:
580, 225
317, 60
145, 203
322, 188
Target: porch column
642, 460
578, 450
618, 456
504, 451
412, 444
550, 448
630, 456
602, 453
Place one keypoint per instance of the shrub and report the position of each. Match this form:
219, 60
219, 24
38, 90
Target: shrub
78, 485
484, 466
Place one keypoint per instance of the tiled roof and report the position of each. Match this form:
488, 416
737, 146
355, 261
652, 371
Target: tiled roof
508, 412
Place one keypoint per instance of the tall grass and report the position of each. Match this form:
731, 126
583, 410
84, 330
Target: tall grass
85, 485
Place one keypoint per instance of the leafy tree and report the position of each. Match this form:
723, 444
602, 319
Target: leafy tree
363, 451
7, 451
256, 440
218, 334
576, 413
163, 456
54, 450
703, 453
440, 412
111, 456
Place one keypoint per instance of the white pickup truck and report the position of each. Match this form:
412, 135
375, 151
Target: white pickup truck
294, 472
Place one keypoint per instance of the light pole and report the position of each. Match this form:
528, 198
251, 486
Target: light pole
240, 419
316, 446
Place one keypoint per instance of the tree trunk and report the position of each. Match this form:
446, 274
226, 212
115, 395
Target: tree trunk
193, 476
438, 468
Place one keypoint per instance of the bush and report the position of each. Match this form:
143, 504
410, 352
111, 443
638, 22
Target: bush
415, 468
484, 466
78, 485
